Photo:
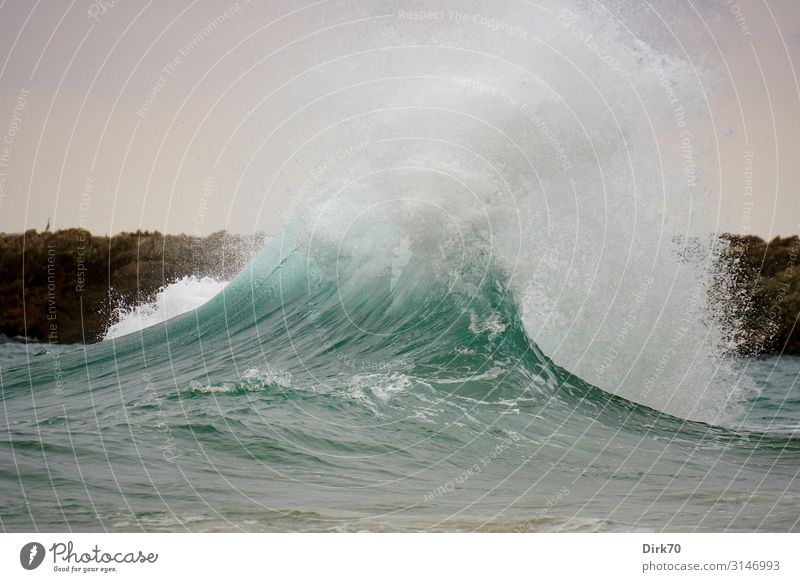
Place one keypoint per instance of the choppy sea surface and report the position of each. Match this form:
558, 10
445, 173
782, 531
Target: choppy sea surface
289, 402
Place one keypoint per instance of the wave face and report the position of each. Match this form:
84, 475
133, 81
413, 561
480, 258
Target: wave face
368, 386
499, 319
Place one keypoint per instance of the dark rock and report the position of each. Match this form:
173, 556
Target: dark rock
764, 289
63, 287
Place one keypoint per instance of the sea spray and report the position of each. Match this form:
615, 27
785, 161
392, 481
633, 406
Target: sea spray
184, 295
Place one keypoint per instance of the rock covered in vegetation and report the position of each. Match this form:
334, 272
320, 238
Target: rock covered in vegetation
63, 287
765, 289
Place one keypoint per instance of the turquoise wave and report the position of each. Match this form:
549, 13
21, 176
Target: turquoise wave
318, 392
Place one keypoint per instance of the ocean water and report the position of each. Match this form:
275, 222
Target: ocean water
496, 306
289, 402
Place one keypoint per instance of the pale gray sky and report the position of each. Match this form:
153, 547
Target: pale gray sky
193, 116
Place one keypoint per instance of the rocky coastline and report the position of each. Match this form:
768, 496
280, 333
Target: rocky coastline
763, 292
64, 287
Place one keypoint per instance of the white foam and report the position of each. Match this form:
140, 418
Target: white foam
179, 297
590, 181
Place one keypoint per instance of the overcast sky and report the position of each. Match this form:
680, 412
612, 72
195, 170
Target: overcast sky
178, 116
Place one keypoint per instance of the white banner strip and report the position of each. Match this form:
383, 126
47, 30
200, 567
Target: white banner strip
378, 557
